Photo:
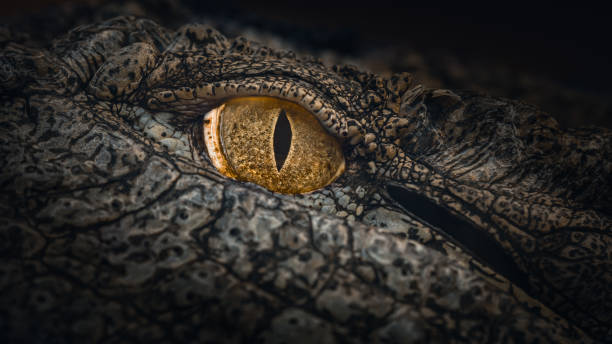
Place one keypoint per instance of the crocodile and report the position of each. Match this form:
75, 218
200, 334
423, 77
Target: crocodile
460, 217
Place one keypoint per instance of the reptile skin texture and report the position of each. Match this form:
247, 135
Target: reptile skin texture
460, 217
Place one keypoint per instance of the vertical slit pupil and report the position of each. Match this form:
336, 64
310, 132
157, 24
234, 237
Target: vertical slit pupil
282, 139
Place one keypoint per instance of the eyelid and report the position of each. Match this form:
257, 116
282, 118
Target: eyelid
331, 111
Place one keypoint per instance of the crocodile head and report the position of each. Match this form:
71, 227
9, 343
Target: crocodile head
460, 217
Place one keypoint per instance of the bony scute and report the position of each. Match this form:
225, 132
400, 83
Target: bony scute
272, 142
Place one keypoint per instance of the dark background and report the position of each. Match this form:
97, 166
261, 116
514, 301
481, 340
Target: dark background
563, 52
570, 45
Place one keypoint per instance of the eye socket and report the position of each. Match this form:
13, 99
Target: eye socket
272, 142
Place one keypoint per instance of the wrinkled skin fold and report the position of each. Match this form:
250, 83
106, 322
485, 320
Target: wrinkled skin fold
460, 217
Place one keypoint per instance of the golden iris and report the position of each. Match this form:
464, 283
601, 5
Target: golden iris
272, 142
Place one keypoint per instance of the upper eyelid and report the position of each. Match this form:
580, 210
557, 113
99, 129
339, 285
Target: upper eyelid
179, 110
194, 101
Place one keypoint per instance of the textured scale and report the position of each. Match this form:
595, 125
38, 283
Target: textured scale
115, 226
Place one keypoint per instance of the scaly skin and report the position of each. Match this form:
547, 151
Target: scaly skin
115, 227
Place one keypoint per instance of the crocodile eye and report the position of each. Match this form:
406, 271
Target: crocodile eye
272, 142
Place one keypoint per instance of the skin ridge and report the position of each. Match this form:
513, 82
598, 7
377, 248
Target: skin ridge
111, 233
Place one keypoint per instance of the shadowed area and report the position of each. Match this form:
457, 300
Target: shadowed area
460, 230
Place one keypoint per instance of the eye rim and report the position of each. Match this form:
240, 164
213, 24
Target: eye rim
214, 152
221, 162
